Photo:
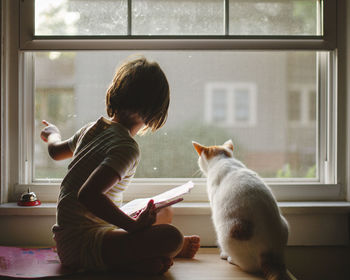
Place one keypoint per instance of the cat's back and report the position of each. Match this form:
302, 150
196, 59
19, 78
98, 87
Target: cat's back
235, 178
243, 190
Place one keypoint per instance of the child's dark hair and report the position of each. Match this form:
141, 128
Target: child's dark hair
140, 86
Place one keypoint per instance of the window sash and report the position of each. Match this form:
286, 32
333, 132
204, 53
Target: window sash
326, 41
226, 5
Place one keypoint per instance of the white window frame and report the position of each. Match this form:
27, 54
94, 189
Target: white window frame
230, 90
17, 144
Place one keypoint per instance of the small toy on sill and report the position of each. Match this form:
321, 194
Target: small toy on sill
28, 199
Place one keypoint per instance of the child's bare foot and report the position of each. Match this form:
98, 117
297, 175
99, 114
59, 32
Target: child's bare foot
190, 247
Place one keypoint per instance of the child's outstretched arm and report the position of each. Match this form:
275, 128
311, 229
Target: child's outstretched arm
93, 196
58, 149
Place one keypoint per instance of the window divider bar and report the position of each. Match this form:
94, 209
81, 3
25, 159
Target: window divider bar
227, 17
129, 17
180, 37
176, 44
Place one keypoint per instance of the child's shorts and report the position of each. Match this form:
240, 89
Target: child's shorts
80, 248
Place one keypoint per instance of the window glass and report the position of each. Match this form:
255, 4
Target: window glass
278, 17
312, 105
70, 91
242, 104
177, 17
294, 105
219, 105
180, 17
76, 17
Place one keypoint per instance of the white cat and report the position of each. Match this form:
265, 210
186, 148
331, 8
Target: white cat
251, 231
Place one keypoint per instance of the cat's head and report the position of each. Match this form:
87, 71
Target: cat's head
206, 154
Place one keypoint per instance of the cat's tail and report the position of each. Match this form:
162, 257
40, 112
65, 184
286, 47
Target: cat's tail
273, 267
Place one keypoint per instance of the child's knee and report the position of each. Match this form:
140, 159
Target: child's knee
173, 239
177, 237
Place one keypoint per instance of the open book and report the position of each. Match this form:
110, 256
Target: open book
162, 200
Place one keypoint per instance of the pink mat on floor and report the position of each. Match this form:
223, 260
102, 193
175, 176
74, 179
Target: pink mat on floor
30, 262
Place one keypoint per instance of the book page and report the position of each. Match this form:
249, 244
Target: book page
169, 197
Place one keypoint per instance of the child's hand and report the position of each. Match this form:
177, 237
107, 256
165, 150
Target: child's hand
146, 218
49, 130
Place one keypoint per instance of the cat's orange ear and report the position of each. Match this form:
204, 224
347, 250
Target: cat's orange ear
199, 148
229, 144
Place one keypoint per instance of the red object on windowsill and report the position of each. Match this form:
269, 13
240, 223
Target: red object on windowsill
29, 203
28, 199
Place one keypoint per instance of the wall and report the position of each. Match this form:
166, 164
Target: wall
305, 262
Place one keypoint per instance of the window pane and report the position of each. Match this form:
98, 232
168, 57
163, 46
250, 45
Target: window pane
76, 17
177, 17
70, 91
278, 17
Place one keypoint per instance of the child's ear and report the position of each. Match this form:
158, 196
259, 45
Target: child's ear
199, 148
229, 144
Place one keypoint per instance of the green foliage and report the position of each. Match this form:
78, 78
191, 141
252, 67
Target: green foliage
169, 152
311, 173
305, 12
53, 21
284, 172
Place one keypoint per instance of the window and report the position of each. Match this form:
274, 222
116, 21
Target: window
234, 73
302, 105
231, 104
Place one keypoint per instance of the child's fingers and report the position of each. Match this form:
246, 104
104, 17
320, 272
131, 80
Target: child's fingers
150, 205
148, 215
45, 122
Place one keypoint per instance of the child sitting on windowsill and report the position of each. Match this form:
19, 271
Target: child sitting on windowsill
91, 231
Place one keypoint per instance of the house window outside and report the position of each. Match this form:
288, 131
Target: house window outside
243, 108
302, 105
219, 106
231, 104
